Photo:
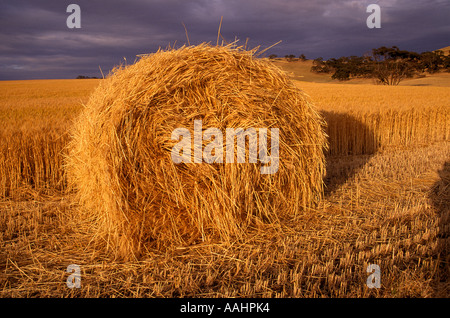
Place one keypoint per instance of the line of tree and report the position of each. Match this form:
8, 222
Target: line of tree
388, 66
290, 57
85, 77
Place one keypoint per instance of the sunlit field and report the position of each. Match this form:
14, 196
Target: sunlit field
386, 202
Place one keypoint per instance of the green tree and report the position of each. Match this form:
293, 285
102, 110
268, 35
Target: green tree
391, 66
432, 62
290, 57
320, 66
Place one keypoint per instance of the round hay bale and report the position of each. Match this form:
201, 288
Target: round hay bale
120, 158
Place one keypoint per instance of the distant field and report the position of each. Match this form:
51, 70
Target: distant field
387, 202
33, 104
34, 117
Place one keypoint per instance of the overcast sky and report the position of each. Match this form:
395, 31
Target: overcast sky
35, 41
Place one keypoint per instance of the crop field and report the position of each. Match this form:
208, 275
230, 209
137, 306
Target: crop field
386, 202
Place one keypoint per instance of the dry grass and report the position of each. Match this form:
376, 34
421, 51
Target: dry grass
389, 208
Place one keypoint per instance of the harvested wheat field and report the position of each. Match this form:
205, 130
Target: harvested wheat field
385, 197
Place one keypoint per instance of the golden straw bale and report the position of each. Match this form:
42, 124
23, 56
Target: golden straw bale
119, 158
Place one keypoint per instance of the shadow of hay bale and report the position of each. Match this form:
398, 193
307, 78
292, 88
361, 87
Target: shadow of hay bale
440, 196
351, 145
348, 136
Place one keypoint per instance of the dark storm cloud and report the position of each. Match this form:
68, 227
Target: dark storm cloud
36, 43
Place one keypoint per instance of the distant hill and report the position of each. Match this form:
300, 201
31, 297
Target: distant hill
446, 50
301, 71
